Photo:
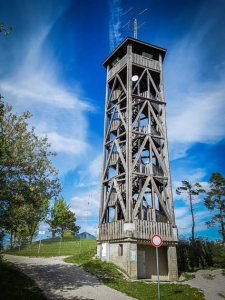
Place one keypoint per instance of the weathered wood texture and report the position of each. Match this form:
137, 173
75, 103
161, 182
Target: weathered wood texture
136, 59
136, 184
144, 230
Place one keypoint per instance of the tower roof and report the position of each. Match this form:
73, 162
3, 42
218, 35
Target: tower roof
138, 47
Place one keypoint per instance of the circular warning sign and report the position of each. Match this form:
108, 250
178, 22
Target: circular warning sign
156, 240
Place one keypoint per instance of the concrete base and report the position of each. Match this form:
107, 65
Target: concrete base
138, 260
172, 263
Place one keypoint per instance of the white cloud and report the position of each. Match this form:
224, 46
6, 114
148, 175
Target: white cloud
184, 220
195, 87
86, 208
91, 175
194, 119
114, 24
62, 144
59, 111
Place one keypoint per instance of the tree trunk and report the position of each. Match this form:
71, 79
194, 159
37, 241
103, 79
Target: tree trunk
193, 219
222, 224
11, 239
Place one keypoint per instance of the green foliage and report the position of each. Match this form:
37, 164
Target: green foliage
81, 249
15, 285
215, 200
188, 276
109, 274
68, 235
191, 190
219, 255
106, 272
222, 295
27, 178
208, 276
62, 219
6, 30
199, 254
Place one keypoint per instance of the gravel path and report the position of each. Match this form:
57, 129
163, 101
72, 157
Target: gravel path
60, 280
210, 287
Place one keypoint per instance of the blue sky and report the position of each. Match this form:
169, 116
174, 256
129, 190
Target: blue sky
51, 65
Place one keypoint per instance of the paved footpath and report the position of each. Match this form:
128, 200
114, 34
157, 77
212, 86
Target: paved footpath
60, 280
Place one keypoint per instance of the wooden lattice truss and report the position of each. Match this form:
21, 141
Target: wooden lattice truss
136, 175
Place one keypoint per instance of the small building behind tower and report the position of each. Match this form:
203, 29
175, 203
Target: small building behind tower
136, 194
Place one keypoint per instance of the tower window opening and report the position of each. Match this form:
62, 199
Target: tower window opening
120, 250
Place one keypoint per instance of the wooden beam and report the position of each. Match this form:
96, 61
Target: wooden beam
139, 152
138, 203
149, 99
160, 200
109, 156
120, 199
106, 204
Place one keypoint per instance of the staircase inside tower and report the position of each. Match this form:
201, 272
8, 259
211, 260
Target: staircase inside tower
147, 154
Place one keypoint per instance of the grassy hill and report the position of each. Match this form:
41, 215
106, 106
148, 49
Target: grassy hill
82, 252
56, 247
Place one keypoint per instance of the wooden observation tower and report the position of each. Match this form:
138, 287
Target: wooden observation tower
136, 195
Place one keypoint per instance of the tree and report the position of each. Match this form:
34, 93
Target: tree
32, 216
27, 178
62, 219
6, 30
215, 200
191, 190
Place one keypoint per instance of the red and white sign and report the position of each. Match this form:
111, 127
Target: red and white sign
156, 240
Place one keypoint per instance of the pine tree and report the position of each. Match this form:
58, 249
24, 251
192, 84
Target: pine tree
215, 200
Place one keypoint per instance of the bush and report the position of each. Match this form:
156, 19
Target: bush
219, 259
68, 235
1, 242
199, 254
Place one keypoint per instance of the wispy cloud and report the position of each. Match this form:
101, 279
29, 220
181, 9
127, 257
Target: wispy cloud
86, 208
59, 111
115, 23
195, 87
92, 174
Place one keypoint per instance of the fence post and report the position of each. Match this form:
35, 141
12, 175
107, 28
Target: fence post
60, 244
80, 246
39, 246
20, 243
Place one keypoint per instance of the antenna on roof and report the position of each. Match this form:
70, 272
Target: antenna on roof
135, 21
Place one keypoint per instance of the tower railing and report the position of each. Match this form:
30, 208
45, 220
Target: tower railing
119, 65
137, 59
144, 230
146, 62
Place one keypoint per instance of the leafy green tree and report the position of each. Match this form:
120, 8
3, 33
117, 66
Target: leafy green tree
32, 216
191, 190
215, 200
27, 175
5, 29
62, 219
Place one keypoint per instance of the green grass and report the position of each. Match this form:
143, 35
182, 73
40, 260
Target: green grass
14, 285
221, 295
108, 273
208, 276
110, 276
188, 276
55, 247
